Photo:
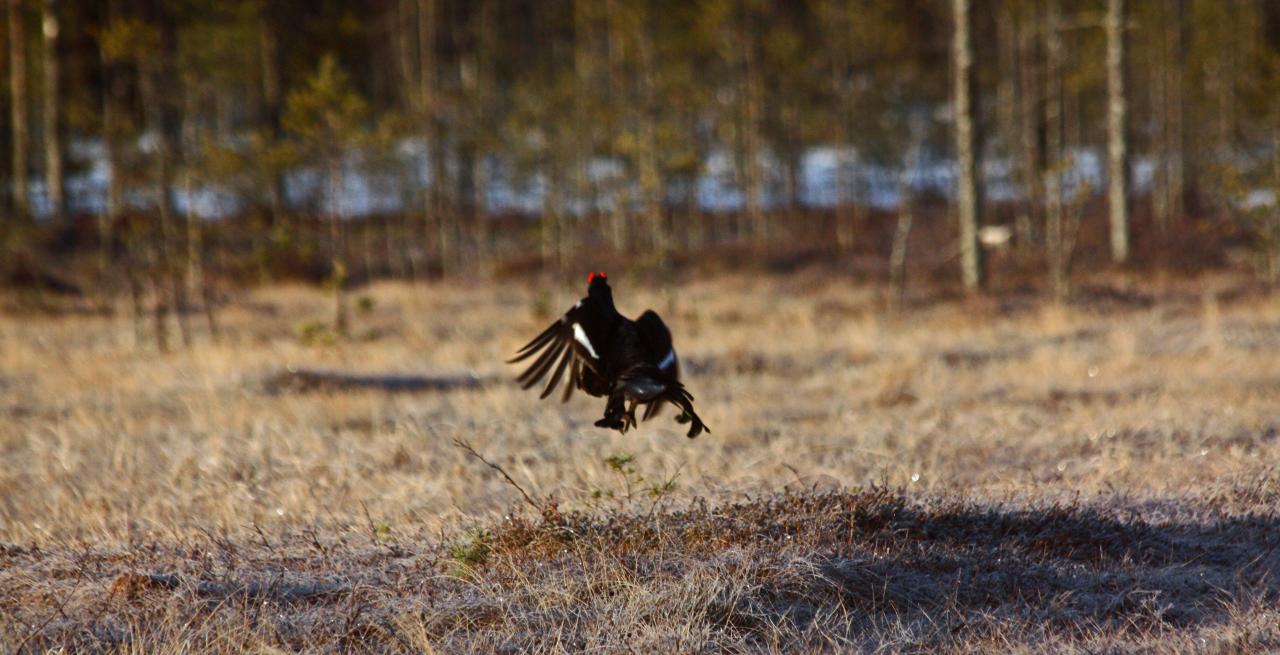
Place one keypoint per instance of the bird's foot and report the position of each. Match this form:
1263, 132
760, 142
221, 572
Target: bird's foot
612, 423
629, 418
696, 429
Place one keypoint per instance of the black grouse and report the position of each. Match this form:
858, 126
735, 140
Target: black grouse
607, 354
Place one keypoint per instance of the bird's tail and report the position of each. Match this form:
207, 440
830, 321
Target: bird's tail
677, 395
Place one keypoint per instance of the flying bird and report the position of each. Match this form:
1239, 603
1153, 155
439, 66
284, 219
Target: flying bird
606, 354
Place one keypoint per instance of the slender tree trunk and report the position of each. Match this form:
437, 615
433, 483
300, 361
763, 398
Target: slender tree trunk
404, 36
1029, 120
112, 127
1183, 137
902, 239
273, 99
694, 232
847, 197
438, 211
850, 201
161, 296
53, 171
406, 30
333, 197
1170, 180
154, 77
750, 179
1007, 118
1052, 174
552, 235
368, 248
475, 155
965, 144
1224, 81
794, 185
651, 187
1117, 140
1157, 89
199, 285
464, 182
190, 147
584, 58
1073, 137
619, 229
1273, 233
789, 153
18, 108
340, 274
209, 301
427, 19
437, 214
138, 311
749, 135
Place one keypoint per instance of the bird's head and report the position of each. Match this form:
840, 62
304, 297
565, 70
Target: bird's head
598, 285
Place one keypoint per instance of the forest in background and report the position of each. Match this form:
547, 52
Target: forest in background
162, 148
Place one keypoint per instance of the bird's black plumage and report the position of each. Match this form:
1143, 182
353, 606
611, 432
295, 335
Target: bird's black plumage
606, 354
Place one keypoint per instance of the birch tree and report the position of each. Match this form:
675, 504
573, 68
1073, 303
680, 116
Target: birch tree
1117, 141
52, 110
962, 90
18, 107
1055, 246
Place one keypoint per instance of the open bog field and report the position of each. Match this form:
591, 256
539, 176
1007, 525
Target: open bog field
990, 475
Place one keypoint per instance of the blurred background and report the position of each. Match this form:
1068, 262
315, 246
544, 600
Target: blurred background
173, 149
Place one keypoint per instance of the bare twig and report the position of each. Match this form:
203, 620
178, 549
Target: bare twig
799, 479
472, 451
666, 487
373, 530
315, 542
60, 611
263, 536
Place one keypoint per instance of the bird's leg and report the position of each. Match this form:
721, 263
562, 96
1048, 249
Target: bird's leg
614, 413
628, 418
697, 426
688, 415
631, 416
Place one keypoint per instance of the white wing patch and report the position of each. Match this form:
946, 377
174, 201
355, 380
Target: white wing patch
668, 360
580, 335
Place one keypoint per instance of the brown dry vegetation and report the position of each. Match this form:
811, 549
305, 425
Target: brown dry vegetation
993, 475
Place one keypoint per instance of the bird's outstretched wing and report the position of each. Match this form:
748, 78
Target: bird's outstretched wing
571, 343
659, 352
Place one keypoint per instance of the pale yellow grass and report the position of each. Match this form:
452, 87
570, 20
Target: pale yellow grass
802, 382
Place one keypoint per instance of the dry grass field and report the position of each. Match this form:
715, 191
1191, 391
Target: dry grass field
999, 475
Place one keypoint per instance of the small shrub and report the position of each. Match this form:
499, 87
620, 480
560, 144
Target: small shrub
316, 333
620, 463
473, 551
